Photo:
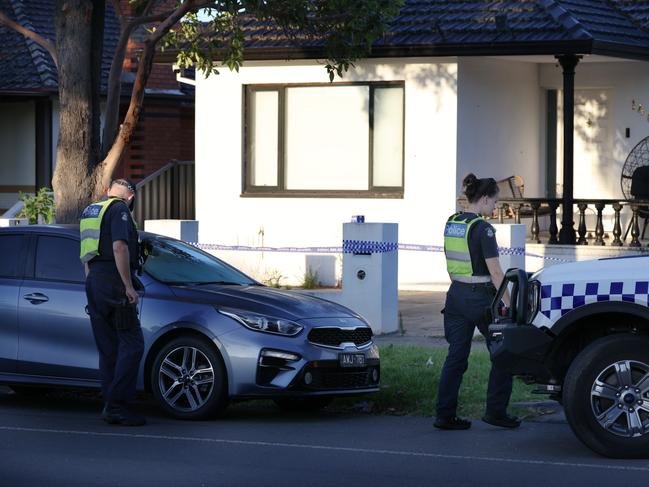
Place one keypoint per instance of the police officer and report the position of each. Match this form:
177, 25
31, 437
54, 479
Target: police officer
472, 263
109, 250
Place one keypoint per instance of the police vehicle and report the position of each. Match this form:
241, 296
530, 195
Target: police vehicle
581, 332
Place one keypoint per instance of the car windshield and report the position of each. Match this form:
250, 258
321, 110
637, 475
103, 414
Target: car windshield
175, 262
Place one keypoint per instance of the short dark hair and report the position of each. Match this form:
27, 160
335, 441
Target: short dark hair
125, 182
475, 188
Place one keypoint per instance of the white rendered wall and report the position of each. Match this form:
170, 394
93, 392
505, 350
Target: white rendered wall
624, 81
501, 122
17, 135
429, 174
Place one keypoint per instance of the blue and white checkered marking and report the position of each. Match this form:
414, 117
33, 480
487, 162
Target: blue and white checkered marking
559, 299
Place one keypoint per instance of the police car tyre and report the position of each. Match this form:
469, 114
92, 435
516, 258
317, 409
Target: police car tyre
188, 379
606, 396
303, 404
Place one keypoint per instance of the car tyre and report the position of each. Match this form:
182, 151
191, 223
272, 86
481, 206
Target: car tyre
601, 399
188, 379
303, 404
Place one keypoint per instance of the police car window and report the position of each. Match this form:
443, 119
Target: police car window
10, 261
57, 259
174, 262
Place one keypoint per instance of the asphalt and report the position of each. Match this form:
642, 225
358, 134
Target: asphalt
63, 442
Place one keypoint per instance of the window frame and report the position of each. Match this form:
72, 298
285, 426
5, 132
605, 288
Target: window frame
280, 191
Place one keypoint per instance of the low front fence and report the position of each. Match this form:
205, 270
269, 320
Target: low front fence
533, 208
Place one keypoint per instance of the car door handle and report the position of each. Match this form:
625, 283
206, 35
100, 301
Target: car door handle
36, 298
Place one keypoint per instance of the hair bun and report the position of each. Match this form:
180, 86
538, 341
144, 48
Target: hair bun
469, 180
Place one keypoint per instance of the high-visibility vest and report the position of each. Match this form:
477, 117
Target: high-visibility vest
456, 248
90, 227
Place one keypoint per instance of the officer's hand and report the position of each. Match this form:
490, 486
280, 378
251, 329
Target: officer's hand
132, 296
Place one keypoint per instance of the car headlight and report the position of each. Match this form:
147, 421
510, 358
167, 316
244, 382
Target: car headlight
263, 323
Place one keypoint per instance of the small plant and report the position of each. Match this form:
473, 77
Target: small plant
38, 205
311, 279
273, 278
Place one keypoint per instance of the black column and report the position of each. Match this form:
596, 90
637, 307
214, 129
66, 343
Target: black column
43, 143
568, 63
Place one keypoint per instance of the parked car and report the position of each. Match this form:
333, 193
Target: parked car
212, 334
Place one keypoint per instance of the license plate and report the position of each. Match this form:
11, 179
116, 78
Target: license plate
351, 359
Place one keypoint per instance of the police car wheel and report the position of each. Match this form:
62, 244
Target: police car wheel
303, 404
188, 379
606, 396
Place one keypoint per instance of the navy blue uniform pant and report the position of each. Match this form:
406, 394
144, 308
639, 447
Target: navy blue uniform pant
465, 308
120, 351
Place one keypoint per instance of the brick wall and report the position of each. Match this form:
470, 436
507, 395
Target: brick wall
165, 130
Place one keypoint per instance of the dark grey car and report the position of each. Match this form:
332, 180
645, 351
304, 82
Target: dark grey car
211, 333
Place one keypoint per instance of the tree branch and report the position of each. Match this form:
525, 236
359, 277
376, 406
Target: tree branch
121, 142
30, 34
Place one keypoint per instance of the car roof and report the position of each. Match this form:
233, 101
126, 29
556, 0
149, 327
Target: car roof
58, 229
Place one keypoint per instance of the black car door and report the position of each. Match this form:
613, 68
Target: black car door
56, 338
12, 259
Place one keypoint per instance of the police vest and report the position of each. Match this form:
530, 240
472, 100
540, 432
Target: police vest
90, 226
456, 248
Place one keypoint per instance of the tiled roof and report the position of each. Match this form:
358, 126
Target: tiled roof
26, 66
462, 27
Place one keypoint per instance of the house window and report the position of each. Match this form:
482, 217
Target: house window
343, 139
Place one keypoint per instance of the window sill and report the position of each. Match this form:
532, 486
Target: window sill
398, 194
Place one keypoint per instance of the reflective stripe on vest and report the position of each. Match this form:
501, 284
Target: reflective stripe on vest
90, 227
456, 245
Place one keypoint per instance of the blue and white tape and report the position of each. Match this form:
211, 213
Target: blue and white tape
364, 247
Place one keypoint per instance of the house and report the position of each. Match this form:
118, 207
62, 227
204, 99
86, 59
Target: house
29, 108
284, 157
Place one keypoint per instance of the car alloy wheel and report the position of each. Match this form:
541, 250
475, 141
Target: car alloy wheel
188, 378
619, 398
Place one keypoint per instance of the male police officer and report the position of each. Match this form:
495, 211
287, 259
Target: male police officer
109, 250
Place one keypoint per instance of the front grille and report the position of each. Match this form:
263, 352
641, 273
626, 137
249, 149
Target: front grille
327, 375
333, 336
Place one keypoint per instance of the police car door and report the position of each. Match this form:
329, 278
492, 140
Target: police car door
56, 338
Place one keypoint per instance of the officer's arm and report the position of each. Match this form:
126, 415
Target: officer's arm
122, 261
86, 268
497, 276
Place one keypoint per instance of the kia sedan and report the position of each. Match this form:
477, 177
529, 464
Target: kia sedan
212, 334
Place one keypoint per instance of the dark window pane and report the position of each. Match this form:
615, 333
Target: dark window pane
58, 259
10, 249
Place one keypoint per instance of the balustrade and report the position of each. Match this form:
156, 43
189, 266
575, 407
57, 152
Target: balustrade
533, 208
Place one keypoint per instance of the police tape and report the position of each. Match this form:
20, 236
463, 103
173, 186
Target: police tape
363, 247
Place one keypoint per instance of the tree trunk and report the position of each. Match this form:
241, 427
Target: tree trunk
78, 145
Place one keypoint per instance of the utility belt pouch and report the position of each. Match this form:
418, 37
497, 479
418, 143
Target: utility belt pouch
125, 316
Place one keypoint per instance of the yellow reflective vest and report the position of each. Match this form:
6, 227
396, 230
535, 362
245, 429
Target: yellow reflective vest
456, 247
90, 226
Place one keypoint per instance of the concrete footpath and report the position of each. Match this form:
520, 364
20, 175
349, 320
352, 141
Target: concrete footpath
421, 320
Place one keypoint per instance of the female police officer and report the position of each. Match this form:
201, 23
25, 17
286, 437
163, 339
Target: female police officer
472, 263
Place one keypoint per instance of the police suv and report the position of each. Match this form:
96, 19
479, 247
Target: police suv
581, 332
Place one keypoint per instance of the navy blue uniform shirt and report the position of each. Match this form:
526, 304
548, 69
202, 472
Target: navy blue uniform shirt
116, 225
